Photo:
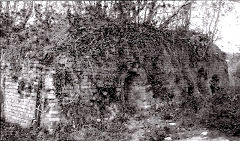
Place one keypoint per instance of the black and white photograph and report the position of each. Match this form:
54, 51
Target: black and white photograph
129, 70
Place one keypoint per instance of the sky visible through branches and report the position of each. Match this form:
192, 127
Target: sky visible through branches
227, 27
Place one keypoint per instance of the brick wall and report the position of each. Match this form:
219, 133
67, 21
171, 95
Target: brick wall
19, 107
236, 75
20, 103
50, 109
221, 69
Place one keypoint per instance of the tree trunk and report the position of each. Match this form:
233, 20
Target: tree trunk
151, 11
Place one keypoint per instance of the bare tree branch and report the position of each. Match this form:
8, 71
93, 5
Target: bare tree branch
151, 11
28, 14
217, 20
169, 19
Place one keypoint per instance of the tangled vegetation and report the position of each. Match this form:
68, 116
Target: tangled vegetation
95, 41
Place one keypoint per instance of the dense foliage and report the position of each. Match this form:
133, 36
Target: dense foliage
15, 132
223, 113
114, 39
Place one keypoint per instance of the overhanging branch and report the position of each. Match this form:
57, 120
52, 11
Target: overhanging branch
166, 22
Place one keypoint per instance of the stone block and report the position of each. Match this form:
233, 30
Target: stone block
7, 113
53, 112
18, 115
8, 118
22, 121
25, 124
12, 86
6, 101
32, 102
85, 86
47, 116
14, 118
30, 116
14, 108
8, 81
51, 96
54, 119
10, 91
22, 109
26, 108
24, 103
32, 112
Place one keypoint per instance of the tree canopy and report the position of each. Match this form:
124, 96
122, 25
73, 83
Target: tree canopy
39, 26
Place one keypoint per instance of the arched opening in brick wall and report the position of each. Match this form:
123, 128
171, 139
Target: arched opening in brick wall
137, 96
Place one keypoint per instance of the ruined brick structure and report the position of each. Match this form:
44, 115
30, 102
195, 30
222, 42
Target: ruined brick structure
19, 106
26, 94
30, 97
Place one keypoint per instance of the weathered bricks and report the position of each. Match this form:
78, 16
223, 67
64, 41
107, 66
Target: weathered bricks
20, 110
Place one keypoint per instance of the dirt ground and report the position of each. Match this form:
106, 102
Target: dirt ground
151, 128
171, 131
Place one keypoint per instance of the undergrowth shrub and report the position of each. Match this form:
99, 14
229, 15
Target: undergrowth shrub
223, 113
220, 111
101, 130
9, 131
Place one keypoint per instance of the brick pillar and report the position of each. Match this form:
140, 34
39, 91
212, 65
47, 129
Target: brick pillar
51, 117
